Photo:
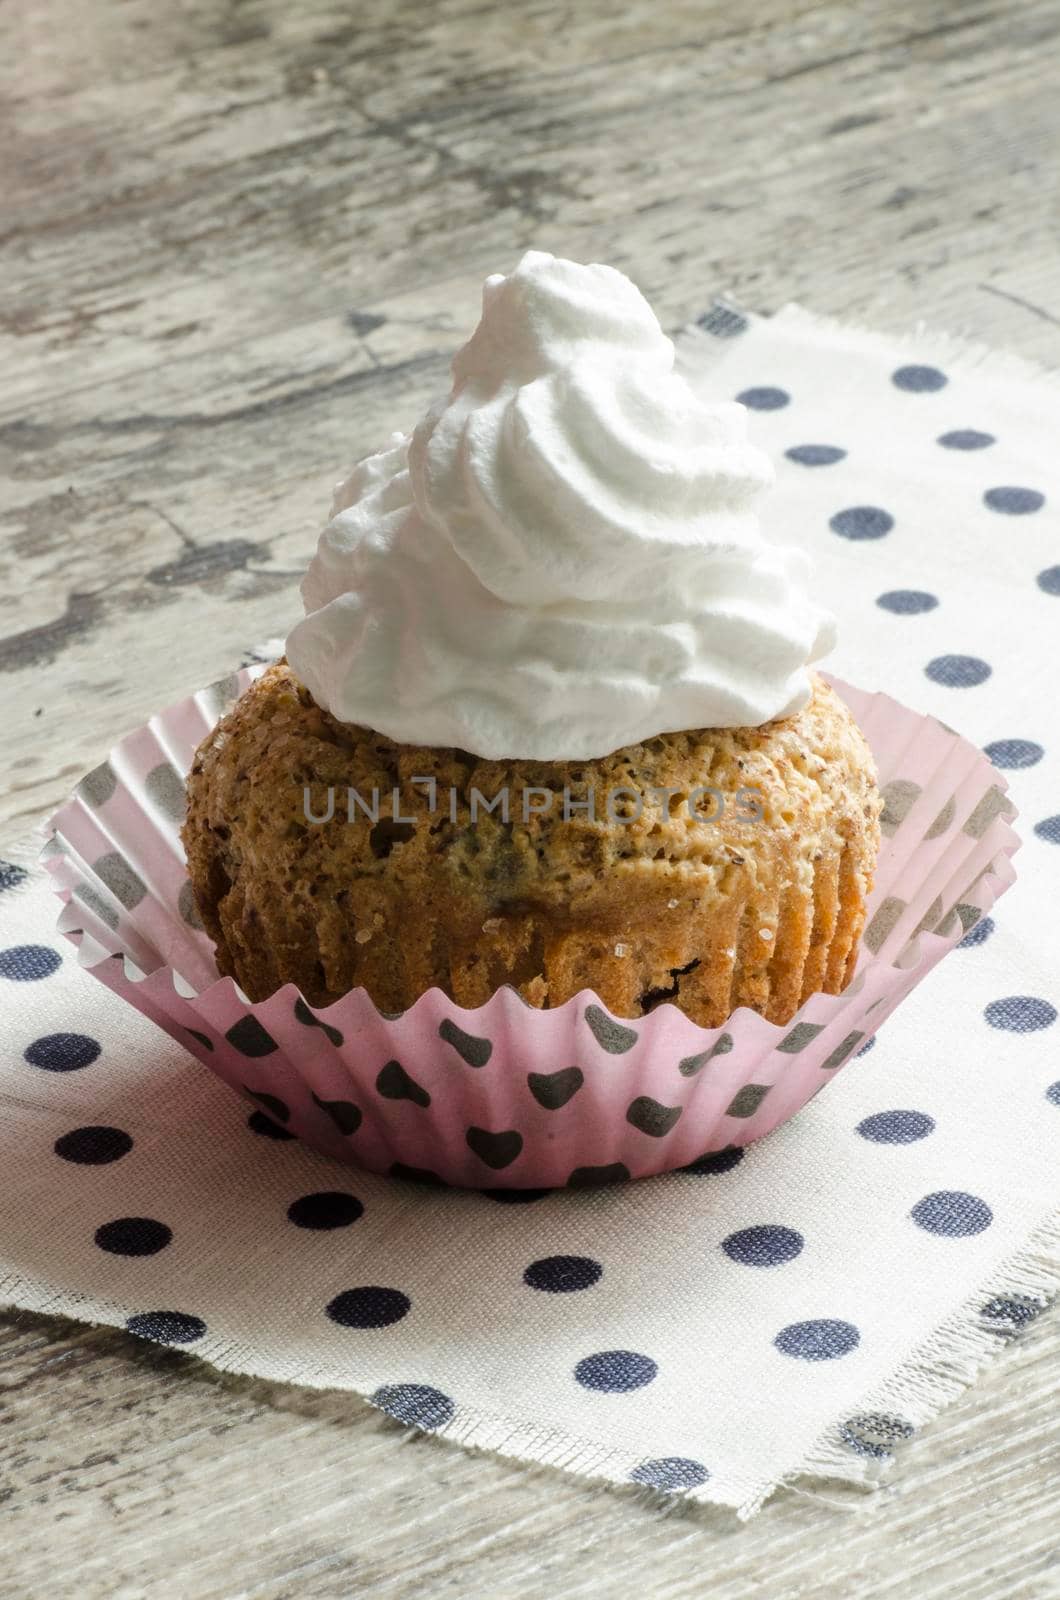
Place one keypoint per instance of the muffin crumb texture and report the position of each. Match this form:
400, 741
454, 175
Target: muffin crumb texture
753, 895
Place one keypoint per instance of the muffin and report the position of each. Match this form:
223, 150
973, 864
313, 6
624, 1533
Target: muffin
318, 859
540, 858
550, 720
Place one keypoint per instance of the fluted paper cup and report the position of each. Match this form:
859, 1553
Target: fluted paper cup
506, 1096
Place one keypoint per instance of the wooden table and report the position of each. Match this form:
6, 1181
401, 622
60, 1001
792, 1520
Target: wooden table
240, 241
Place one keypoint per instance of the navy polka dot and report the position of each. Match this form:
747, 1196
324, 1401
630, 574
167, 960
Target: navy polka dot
896, 1127
764, 399
1048, 829
906, 602
965, 439
1011, 1314
1049, 580
264, 1126
977, 934
717, 1161
670, 1473
95, 1146
133, 1236
277, 1108
515, 1197
1052, 1094
615, 1371
369, 1307
417, 1405
1013, 501
862, 522
872, 1433
62, 1052
11, 876
815, 455
418, 1175
822, 1339
563, 1274
331, 1208
722, 321
167, 1327
958, 672
271, 1103
919, 380
764, 1245
1014, 753
1020, 1013
867, 1046
952, 1214
25, 963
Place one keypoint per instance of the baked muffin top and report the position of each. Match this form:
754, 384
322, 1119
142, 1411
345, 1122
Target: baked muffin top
690, 803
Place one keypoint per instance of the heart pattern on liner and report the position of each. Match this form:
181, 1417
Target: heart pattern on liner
506, 1093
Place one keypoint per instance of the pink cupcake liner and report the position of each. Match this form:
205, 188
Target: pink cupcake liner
506, 1096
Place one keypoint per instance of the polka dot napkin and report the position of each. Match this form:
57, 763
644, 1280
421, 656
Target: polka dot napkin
798, 1308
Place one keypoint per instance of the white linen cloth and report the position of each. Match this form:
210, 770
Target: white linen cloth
713, 1333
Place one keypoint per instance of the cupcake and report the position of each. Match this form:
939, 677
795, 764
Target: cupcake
550, 721
543, 855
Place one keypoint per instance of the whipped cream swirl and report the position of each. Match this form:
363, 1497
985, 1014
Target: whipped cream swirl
564, 558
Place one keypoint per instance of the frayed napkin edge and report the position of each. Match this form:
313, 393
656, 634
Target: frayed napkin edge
935, 1374
940, 1369
699, 344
